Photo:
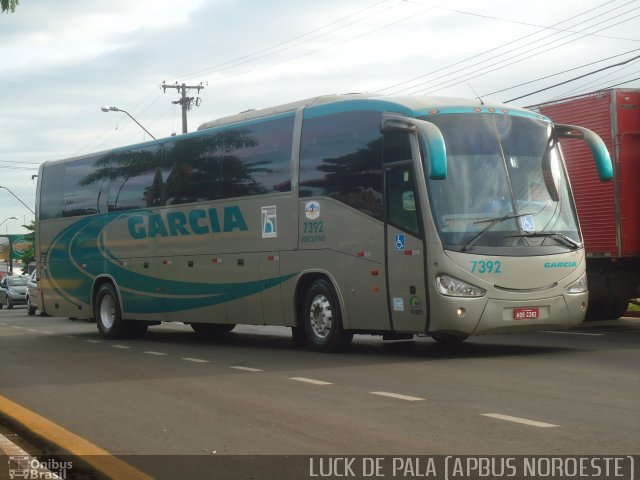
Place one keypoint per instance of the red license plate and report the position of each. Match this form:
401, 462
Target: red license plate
526, 313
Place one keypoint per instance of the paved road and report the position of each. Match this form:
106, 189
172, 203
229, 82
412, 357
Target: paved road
254, 393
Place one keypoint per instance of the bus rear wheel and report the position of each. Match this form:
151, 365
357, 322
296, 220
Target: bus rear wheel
322, 319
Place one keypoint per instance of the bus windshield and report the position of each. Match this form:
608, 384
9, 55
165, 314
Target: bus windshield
505, 186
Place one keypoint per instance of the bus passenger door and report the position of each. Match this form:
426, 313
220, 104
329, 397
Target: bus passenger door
405, 254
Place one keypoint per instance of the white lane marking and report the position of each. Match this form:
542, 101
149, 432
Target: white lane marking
33, 331
121, 346
47, 333
93, 341
5, 324
154, 353
397, 396
575, 333
68, 336
247, 369
524, 421
310, 380
196, 360
16, 326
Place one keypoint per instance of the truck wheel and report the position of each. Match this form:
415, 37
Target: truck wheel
322, 319
606, 309
107, 313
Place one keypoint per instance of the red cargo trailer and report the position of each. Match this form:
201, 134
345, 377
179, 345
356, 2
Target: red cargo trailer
609, 212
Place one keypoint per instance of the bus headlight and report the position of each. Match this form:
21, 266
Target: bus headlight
579, 286
453, 287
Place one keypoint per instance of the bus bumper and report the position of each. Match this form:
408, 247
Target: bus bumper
560, 312
486, 316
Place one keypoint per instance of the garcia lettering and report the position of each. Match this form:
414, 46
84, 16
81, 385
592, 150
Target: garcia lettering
196, 222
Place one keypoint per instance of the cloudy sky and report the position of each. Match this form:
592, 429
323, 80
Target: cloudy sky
61, 61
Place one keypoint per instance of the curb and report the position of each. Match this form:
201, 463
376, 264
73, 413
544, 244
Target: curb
63, 442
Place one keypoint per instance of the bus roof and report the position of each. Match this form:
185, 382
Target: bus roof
408, 104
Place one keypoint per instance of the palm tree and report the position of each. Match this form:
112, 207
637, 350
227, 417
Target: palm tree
8, 5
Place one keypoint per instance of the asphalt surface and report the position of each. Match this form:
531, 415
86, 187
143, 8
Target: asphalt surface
254, 393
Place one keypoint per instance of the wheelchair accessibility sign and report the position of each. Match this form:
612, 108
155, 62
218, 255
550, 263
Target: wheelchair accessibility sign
400, 241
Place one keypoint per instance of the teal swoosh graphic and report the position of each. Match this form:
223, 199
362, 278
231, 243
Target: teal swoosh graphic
85, 239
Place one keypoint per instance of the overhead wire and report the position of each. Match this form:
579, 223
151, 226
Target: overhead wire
556, 74
466, 76
599, 82
571, 80
491, 49
258, 54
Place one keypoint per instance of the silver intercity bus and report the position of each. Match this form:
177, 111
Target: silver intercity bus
335, 215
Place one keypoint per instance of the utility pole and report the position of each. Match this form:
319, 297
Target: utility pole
185, 102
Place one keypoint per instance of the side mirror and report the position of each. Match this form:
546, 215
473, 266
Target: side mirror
431, 134
598, 148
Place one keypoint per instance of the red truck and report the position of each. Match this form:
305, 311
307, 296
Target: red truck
609, 212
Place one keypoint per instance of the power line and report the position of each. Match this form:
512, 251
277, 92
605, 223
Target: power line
494, 50
597, 83
517, 22
493, 68
556, 74
257, 54
571, 80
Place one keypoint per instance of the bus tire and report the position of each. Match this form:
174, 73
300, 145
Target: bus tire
321, 318
212, 330
108, 314
446, 339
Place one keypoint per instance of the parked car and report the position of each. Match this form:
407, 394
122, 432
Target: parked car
13, 291
32, 294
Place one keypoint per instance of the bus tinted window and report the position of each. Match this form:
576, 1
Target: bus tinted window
231, 162
51, 185
341, 157
194, 165
84, 186
257, 158
135, 179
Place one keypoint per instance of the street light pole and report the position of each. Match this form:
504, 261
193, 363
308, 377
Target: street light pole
10, 218
26, 206
116, 109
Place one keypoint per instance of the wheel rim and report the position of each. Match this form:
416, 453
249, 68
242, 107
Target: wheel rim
320, 316
107, 312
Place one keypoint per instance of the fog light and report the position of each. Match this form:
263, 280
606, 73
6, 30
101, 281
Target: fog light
583, 306
461, 312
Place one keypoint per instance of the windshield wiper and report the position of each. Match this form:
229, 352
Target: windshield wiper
492, 222
557, 236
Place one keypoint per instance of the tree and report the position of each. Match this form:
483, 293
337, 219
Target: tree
29, 256
8, 5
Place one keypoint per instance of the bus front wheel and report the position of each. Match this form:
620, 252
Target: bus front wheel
322, 318
108, 314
